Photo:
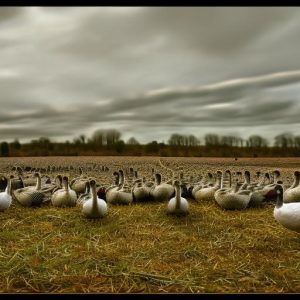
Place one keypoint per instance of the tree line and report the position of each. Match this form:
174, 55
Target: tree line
109, 142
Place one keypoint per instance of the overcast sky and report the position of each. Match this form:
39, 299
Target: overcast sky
149, 72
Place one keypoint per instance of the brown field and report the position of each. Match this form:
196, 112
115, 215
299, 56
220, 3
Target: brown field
139, 248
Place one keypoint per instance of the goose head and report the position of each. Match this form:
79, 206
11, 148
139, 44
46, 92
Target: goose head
65, 183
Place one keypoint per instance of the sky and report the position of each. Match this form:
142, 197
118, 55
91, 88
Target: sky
149, 71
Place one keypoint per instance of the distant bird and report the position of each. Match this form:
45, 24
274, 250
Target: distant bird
178, 205
5, 197
287, 214
94, 207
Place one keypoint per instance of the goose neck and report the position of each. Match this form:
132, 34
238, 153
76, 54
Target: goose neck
94, 197
38, 182
296, 180
279, 200
8, 187
178, 196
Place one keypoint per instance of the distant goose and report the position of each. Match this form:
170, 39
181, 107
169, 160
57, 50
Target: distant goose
287, 214
64, 197
161, 191
207, 193
292, 194
178, 205
232, 198
119, 195
5, 197
30, 195
94, 207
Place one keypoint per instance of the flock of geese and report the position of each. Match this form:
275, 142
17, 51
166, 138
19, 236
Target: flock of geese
229, 190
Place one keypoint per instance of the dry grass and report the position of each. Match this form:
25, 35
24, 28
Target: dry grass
141, 249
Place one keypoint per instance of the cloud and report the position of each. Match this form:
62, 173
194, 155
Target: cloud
148, 72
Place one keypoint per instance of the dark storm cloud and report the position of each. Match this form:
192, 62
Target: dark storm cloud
148, 72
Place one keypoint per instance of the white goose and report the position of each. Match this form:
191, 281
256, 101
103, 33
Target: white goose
287, 214
30, 195
64, 197
5, 197
203, 183
86, 195
208, 193
78, 184
292, 194
233, 198
120, 194
161, 191
178, 205
94, 207
140, 191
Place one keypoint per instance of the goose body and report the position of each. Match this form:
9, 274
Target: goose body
161, 191
119, 195
94, 207
141, 192
5, 197
78, 184
64, 197
231, 199
208, 193
287, 214
292, 194
30, 195
178, 205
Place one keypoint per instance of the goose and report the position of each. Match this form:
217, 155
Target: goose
94, 207
161, 191
287, 214
141, 191
233, 198
5, 197
207, 193
64, 197
120, 194
53, 186
178, 205
86, 195
113, 187
246, 183
30, 195
292, 194
203, 183
78, 184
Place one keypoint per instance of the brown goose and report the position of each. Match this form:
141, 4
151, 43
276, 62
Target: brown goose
30, 195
